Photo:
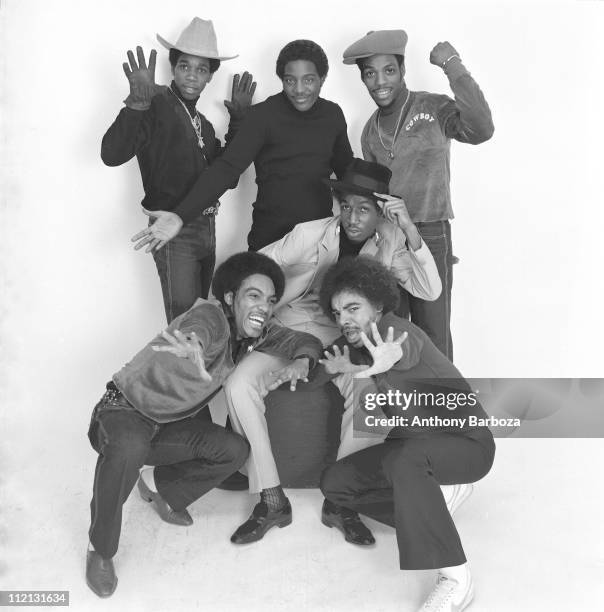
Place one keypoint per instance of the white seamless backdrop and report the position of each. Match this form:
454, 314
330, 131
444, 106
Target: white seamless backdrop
78, 301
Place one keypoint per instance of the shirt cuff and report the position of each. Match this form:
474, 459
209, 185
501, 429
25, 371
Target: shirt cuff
311, 360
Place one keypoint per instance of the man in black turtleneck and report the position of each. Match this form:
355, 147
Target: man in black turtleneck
174, 143
294, 139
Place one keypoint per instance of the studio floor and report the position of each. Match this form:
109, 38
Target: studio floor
532, 532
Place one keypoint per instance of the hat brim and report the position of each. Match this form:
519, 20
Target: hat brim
352, 188
353, 60
191, 51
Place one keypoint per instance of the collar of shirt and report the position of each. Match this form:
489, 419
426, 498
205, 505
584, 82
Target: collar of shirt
242, 346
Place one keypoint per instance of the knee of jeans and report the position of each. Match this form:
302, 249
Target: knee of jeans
93, 431
408, 460
125, 447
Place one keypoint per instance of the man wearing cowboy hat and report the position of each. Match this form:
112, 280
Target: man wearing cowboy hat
174, 143
410, 133
373, 224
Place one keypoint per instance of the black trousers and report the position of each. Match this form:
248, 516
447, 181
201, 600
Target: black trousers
191, 457
434, 316
398, 483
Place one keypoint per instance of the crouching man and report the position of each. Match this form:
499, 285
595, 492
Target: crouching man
398, 481
149, 413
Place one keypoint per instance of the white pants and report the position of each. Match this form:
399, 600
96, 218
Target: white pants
245, 389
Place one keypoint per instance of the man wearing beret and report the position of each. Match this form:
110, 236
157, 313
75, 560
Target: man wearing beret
410, 133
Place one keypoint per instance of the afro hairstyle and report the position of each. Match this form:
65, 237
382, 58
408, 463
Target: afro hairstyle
302, 50
232, 272
362, 275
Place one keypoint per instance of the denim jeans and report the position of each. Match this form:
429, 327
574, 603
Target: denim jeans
435, 317
185, 265
192, 456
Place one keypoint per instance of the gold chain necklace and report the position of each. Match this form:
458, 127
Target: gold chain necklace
398, 122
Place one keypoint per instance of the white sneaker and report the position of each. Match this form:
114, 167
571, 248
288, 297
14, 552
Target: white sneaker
457, 496
449, 596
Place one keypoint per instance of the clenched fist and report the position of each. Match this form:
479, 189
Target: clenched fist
441, 53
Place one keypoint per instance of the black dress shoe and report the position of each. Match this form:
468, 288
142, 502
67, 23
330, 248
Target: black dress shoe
181, 517
260, 521
348, 522
235, 482
100, 574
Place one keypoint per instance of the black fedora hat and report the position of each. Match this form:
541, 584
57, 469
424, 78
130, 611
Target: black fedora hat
363, 178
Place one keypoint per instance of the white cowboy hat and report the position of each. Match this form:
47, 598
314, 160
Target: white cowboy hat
198, 38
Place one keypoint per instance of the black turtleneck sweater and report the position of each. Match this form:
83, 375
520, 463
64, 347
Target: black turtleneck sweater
291, 151
165, 144
347, 247
190, 104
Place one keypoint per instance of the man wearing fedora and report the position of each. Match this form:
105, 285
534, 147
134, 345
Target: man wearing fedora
410, 133
370, 223
174, 143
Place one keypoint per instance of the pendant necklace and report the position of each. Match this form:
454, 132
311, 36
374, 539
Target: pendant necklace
195, 122
398, 122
